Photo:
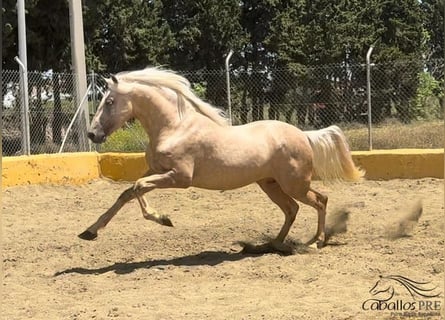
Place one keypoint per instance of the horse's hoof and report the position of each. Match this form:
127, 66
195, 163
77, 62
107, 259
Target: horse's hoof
165, 221
87, 235
320, 244
316, 244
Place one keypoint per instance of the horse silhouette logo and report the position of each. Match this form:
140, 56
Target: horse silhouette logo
386, 288
383, 290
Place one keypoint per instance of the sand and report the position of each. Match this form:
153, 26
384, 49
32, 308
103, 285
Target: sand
137, 269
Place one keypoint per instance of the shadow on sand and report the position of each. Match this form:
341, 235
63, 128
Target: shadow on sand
206, 258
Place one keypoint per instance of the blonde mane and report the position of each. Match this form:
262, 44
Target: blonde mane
169, 79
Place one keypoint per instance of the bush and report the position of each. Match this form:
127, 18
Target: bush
426, 105
132, 138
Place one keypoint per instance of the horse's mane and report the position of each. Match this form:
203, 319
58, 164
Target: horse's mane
414, 287
169, 79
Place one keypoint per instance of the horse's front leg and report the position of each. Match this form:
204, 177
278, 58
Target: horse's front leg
126, 196
170, 179
91, 232
150, 213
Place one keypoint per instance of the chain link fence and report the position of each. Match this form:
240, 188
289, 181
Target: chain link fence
310, 97
316, 97
52, 106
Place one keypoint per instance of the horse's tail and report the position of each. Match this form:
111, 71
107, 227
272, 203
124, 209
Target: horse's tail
332, 159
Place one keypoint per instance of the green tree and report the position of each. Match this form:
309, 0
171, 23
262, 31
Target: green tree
48, 38
285, 44
256, 21
341, 32
402, 39
434, 26
205, 31
125, 34
9, 34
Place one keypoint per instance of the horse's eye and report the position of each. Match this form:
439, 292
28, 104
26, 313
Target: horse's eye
110, 101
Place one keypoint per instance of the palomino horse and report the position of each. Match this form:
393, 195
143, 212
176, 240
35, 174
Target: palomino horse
191, 144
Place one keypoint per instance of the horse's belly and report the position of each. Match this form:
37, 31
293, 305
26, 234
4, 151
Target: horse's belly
224, 178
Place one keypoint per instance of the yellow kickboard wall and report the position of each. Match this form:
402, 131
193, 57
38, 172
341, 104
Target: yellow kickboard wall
78, 168
401, 163
123, 166
67, 168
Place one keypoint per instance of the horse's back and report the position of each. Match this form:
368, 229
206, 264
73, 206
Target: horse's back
280, 136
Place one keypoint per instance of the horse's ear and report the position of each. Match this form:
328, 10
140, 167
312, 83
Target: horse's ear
107, 80
113, 77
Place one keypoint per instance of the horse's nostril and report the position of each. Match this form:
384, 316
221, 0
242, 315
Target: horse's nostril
90, 135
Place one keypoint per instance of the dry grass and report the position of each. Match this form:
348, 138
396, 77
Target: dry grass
395, 135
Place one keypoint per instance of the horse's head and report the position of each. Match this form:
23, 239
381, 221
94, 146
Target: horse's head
384, 285
113, 111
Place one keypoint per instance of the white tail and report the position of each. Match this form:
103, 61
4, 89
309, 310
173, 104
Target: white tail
332, 158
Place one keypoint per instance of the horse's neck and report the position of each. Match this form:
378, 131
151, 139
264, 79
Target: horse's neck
156, 112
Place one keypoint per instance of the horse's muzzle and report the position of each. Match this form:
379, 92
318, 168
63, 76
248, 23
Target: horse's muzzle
96, 138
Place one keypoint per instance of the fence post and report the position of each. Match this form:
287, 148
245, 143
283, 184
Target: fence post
26, 138
368, 91
22, 61
229, 103
78, 57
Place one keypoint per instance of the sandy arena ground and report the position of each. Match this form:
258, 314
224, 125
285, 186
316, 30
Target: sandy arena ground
137, 269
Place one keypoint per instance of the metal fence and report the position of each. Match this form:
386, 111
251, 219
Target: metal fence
51, 109
318, 96
306, 96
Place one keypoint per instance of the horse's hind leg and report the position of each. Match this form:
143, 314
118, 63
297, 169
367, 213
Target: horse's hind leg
286, 204
319, 202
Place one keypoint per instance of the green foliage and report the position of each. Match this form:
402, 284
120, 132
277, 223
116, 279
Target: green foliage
205, 31
426, 105
195, 35
9, 33
125, 34
433, 19
200, 90
130, 139
47, 35
403, 34
286, 38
